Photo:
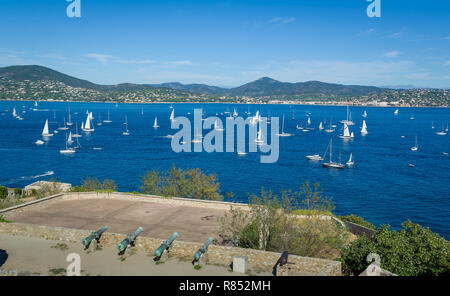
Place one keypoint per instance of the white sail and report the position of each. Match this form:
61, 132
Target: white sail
396, 112
235, 114
45, 132
172, 115
346, 131
156, 122
82, 125
364, 128
14, 112
69, 140
320, 126
35, 104
87, 125
309, 121
365, 114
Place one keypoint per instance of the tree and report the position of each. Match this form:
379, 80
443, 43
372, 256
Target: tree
411, 251
191, 183
3, 192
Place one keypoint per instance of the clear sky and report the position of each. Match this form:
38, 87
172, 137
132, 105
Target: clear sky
229, 43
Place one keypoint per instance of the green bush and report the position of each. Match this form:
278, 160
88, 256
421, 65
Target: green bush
18, 192
3, 192
357, 220
3, 220
93, 184
191, 183
410, 251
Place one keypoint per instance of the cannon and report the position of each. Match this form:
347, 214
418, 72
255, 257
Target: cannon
94, 235
202, 250
122, 246
164, 246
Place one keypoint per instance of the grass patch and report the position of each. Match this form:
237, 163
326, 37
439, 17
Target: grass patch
312, 212
197, 267
58, 271
3, 220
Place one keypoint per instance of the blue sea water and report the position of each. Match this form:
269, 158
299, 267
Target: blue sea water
380, 187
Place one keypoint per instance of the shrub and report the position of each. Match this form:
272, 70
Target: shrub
3, 192
191, 183
18, 192
410, 251
93, 184
357, 220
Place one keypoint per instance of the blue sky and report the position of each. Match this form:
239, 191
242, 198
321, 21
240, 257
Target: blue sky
229, 43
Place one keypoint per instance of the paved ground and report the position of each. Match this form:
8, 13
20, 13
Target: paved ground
159, 220
34, 256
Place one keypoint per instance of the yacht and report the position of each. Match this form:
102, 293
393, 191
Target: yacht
331, 164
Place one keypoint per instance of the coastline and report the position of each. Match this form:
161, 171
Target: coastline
334, 104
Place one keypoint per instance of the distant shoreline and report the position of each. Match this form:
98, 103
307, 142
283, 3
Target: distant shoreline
336, 104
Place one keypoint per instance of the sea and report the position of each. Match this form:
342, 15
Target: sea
380, 187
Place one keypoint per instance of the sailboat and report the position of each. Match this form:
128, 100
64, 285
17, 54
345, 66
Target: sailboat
235, 114
348, 121
217, 127
197, 139
45, 132
126, 132
69, 140
155, 125
446, 129
346, 134
442, 132
76, 135
309, 120
67, 150
416, 147
321, 126
14, 113
64, 128
99, 123
87, 125
331, 164
108, 120
432, 125
364, 129
69, 123
365, 114
172, 115
78, 145
35, 106
259, 140
283, 134
350, 162
330, 129
396, 112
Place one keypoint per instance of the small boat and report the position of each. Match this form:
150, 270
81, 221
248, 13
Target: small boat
99, 120
69, 123
416, 147
259, 140
364, 129
283, 134
107, 120
412, 118
442, 132
315, 157
155, 125
346, 134
217, 127
14, 113
411, 165
45, 132
235, 114
330, 129
331, 164
172, 115
126, 132
197, 139
350, 162
240, 153
64, 128
39, 142
76, 135
444, 153
87, 125
67, 150
365, 114
98, 148
396, 112
320, 126
348, 121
